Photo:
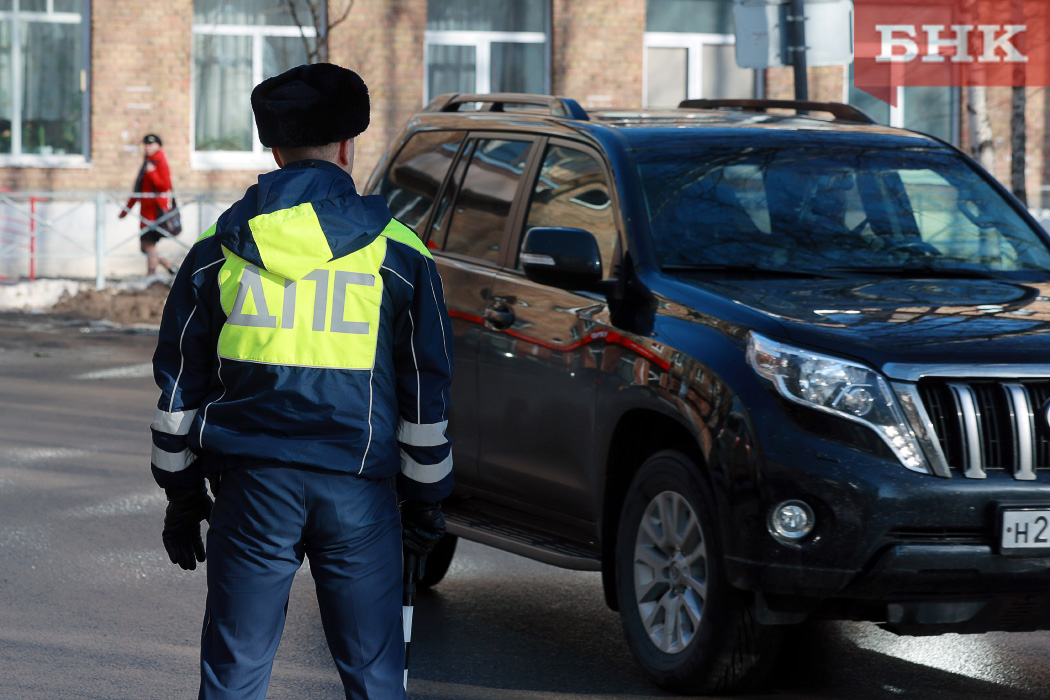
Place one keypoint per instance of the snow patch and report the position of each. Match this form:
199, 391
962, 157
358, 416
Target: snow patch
37, 295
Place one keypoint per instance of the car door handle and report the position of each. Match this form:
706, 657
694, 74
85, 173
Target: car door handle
498, 317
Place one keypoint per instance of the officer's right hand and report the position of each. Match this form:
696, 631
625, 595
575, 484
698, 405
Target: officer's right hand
187, 507
422, 526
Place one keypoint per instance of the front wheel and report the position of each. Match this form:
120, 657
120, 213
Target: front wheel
689, 629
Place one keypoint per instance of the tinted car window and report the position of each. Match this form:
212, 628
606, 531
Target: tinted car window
572, 192
439, 227
479, 215
834, 206
416, 174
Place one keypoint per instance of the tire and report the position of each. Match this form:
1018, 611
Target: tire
669, 565
438, 562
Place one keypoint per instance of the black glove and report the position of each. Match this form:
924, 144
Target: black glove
187, 507
422, 525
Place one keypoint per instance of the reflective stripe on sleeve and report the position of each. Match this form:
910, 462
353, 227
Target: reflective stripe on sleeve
421, 434
172, 461
175, 423
425, 473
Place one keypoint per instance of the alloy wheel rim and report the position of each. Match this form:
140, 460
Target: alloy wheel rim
670, 572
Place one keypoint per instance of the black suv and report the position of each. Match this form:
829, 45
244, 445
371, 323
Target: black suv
751, 364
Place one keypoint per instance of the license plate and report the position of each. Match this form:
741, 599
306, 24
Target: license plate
1025, 529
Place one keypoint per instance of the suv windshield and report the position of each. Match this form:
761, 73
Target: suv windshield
832, 207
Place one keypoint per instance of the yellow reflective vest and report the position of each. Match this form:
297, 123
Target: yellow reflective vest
306, 327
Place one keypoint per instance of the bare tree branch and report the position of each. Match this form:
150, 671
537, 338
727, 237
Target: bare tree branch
342, 17
319, 13
306, 40
1018, 136
321, 41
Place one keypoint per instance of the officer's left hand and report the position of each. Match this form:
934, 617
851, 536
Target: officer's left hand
182, 525
422, 526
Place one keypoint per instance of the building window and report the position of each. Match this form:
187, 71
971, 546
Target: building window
690, 53
494, 46
236, 45
44, 103
931, 110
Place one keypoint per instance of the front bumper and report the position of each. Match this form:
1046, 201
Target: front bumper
918, 553
915, 589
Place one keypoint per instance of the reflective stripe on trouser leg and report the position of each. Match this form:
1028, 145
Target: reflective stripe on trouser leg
253, 554
354, 546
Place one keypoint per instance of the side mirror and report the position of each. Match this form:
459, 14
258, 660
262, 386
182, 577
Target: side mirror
568, 258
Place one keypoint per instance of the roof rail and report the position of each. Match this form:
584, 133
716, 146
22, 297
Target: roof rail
498, 101
841, 112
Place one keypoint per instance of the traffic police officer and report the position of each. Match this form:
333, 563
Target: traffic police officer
304, 361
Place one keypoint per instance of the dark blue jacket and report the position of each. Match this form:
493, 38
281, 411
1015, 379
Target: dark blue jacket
307, 327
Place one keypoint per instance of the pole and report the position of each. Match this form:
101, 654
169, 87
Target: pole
100, 241
408, 601
32, 238
797, 47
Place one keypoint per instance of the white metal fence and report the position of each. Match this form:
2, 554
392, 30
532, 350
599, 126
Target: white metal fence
79, 235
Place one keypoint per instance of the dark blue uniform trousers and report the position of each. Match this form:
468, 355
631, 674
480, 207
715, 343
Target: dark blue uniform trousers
264, 522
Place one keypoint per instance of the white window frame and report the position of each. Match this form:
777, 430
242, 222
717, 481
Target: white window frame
259, 158
482, 42
897, 112
17, 159
694, 44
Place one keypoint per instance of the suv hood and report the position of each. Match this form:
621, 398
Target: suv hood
923, 321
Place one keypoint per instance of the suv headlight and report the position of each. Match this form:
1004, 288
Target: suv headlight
841, 387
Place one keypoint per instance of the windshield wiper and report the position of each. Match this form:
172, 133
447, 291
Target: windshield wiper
750, 269
919, 271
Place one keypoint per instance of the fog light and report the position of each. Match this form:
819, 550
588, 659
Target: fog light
790, 521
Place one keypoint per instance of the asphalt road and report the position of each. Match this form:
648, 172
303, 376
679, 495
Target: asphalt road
90, 607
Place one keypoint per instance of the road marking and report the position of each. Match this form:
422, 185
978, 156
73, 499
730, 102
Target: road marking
144, 369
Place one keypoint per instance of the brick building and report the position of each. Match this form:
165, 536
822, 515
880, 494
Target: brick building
81, 81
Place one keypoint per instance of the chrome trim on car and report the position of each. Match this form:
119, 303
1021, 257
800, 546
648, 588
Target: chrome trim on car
913, 373
982, 431
1023, 423
970, 421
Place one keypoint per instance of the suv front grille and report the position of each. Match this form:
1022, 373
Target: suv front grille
990, 425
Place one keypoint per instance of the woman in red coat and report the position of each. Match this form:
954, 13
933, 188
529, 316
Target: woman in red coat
154, 178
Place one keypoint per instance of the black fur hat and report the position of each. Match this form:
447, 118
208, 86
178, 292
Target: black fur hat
310, 105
